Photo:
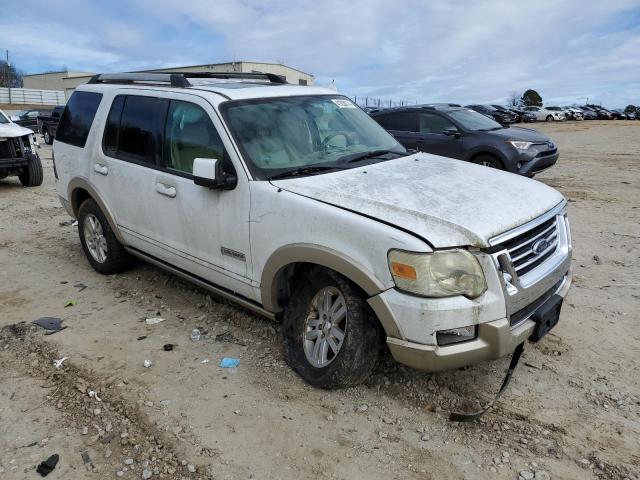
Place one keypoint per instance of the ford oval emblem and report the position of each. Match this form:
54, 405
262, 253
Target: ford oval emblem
540, 246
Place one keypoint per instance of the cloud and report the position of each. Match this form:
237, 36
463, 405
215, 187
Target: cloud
467, 51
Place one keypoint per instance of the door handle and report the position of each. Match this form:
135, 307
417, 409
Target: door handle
164, 189
101, 169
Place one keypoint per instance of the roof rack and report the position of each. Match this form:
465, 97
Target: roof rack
180, 79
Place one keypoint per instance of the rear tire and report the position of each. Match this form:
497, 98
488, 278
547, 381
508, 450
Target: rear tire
32, 175
48, 139
549, 118
489, 161
103, 250
323, 301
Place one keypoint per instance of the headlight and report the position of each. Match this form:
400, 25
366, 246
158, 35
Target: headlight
519, 145
444, 273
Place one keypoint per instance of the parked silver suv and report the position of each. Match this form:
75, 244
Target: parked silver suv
293, 202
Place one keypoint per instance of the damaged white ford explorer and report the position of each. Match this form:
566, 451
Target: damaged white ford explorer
294, 203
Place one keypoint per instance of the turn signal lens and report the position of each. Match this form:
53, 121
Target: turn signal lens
403, 270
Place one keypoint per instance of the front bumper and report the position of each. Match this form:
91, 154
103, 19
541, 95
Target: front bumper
532, 165
495, 340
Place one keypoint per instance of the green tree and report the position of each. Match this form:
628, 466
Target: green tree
531, 98
630, 109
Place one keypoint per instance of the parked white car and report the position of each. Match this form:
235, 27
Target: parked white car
546, 114
573, 113
293, 202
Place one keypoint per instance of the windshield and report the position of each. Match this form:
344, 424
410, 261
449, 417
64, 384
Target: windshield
3, 118
472, 120
295, 134
554, 108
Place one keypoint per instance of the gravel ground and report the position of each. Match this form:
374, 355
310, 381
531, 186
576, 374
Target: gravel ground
571, 412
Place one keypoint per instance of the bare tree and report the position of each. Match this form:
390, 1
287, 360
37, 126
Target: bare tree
513, 100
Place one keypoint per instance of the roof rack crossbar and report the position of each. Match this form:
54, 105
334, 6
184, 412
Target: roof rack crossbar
180, 79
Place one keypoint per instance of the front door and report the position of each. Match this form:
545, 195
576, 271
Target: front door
433, 138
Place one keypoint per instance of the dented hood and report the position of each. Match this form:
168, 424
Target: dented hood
447, 202
11, 130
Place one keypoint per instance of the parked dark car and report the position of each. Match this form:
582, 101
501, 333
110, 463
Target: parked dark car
602, 113
507, 111
588, 113
618, 114
497, 115
465, 134
29, 118
49, 124
525, 116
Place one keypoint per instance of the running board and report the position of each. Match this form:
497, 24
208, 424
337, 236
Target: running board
242, 301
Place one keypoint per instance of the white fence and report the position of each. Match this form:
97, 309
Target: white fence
31, 96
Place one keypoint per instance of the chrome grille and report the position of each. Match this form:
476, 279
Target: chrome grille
533, 247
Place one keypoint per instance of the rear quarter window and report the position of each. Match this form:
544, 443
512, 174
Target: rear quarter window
77, 118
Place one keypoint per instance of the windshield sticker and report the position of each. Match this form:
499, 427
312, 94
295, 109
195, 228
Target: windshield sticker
343, 103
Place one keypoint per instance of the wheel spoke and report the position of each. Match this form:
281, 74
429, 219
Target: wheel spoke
335, 347
337, 333
338, 310
324, 350
316, 351
312, 334
326, 302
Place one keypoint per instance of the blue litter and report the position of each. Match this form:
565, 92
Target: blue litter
228, 362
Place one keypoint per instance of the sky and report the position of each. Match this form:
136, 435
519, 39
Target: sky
417, 51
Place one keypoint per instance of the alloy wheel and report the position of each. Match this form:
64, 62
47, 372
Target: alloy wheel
94, 238
325, 327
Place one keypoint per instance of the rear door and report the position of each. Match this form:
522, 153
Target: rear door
432, 138
403, 126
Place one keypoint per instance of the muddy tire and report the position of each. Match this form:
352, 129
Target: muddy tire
48, 139
332, 338
103, 250
489, 161
32, 175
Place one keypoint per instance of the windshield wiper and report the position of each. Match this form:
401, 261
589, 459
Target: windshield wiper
303, 171
356, 157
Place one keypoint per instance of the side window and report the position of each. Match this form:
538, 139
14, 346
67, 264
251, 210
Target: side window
400, 122
138, 126
133, 127
431, 123
75, 122
189, 134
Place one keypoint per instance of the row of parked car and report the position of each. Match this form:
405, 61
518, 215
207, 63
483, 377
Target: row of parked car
509, 115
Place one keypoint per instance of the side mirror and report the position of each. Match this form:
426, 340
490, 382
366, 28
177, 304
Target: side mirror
207, 172
451, 131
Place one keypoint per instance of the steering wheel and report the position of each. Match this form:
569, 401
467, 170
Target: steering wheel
331, 136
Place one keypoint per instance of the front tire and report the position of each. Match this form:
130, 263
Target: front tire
549, 118
48, 139
103, 250
32, 175
489, 161
331, 335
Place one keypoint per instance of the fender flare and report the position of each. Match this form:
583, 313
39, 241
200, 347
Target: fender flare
78, 183
334, 260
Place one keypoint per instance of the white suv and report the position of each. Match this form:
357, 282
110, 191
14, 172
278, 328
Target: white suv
293, 202
550, 114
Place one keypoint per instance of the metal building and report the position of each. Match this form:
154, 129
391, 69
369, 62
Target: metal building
68, 81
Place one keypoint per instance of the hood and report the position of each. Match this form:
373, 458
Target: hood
519, 133
447, 202
11, 130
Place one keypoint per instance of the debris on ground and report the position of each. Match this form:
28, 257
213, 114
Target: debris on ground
147, 364
58, 363
154, 320
80, 286
229, 338
167, 347
195, 335
228, 362
141, 337
46, 467
86, 459
70, 303
49, 323
94, 394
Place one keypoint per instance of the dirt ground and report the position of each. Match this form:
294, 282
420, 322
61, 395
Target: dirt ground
571, 412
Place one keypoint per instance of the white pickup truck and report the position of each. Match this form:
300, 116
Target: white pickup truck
291, 201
